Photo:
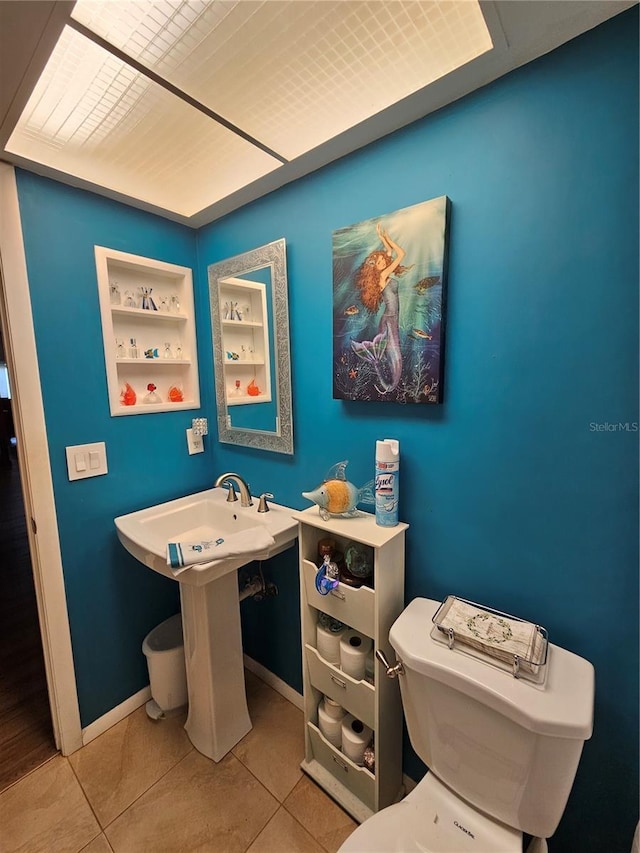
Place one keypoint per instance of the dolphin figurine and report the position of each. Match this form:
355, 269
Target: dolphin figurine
337, 496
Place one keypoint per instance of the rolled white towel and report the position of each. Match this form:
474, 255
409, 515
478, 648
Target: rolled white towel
182, 555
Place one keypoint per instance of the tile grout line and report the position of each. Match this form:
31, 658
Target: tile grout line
84, 794
33, 770
146, 790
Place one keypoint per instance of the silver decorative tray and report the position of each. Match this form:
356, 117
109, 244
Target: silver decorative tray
505, 641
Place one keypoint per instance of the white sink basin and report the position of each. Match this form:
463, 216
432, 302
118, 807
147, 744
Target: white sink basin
218, 715
204, 515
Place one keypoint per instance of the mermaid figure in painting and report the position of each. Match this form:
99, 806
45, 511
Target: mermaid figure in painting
375, 283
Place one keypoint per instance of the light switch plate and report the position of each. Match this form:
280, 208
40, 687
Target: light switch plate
86, 460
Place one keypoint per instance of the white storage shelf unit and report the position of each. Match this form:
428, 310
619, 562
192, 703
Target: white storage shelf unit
172, 324
371, 611
247, 338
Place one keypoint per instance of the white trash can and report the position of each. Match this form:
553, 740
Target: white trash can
163, 648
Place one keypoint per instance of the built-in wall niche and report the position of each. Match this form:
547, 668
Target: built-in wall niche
148, 328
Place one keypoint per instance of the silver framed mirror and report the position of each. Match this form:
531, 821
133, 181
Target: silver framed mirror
251, 356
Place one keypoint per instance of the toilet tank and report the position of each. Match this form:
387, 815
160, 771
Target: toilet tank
508, 746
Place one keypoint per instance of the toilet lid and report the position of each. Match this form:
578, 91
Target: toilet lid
431, 819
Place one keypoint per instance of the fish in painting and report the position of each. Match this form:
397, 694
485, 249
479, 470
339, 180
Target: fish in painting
420, 335
337, 496
425, 283
351, 311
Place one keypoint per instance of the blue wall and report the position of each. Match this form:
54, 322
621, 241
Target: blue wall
113, 600
513, 498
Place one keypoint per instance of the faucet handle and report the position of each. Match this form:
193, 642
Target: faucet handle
231, 496
263, 506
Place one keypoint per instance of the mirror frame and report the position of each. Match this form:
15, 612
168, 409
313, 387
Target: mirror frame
272, 255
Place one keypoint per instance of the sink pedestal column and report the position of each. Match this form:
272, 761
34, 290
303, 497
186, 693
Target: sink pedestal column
218, 715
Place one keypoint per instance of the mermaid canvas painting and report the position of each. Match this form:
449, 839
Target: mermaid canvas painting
389, 277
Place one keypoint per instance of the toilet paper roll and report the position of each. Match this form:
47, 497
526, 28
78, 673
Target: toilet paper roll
328, 643
331, 727
354, 648
355, 738
333, 709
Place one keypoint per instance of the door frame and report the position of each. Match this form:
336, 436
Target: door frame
35, 470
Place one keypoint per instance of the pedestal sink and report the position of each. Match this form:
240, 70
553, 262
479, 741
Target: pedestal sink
218, 717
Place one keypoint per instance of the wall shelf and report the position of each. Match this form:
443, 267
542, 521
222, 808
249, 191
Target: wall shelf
370, 610
122, 277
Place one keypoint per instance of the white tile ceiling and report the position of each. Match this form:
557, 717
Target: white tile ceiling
287, 74
294, 74
192, 109
99, 119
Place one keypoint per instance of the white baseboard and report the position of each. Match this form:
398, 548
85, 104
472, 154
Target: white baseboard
102, 724
99, 726
272, 680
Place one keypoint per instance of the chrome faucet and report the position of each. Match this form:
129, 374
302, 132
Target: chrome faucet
245, 494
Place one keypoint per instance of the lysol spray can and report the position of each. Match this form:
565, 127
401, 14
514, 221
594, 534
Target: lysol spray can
387, 481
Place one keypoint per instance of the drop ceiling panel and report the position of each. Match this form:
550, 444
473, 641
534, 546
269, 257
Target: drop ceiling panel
94, 117
294, 74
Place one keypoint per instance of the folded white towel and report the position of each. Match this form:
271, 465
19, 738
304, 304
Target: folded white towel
256, 541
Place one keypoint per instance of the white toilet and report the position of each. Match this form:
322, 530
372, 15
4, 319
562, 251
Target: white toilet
502, 752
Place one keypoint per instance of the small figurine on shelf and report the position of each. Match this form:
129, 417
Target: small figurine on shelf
178, 352
151, 353
252, 389
237, 391
147, 300
114, 293
129, 300
168, 352
337, 496
128, 395
133, 348
327, 576
163, 305
227, 311
121, 351
175, 394
232, 356
151, 397
174, 304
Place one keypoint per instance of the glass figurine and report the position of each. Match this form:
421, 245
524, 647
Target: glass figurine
327, 576
151, 397
128, 395
178, 351
168, 352
121, 351
129, 299
114, 293
133, 348
174, 304
147, 300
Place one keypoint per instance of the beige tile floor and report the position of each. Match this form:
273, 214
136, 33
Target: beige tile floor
142, 788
